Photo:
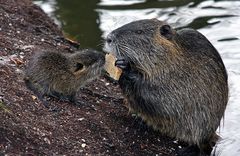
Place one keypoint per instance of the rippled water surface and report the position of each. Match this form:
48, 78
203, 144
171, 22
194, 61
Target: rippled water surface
88, 21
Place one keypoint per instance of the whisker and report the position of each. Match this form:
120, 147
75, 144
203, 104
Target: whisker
102, 42
118, 50
132, 55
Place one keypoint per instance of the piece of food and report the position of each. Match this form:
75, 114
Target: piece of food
114, 72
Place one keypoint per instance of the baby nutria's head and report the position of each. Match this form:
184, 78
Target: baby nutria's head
86, 64
145, 44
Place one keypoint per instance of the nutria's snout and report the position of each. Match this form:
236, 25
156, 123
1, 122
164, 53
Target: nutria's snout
101, 57
92, 57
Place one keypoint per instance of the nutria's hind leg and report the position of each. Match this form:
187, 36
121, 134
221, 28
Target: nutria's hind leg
42, 98
67, 98
208, 145
140, 124
205, 148
78, 103
72, 99
39, 94
192, 150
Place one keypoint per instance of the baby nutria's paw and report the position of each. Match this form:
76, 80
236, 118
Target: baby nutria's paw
122, 64
78, 103
72, 99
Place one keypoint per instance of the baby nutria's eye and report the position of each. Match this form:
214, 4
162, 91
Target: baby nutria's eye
139, 31
79, 66
166, 31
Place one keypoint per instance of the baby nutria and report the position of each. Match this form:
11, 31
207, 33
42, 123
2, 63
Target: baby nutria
174, 80
61, 75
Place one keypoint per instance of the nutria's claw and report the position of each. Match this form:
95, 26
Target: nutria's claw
122, 64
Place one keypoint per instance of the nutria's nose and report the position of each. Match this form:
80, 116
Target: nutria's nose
110, 38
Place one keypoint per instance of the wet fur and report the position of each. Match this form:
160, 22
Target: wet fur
56, 74
177, 84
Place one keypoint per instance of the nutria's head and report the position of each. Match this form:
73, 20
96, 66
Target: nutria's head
86, 64
145, 44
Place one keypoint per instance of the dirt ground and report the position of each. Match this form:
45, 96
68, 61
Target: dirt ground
102, 126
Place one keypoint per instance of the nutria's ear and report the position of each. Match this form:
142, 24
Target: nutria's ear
78, 68
166, 31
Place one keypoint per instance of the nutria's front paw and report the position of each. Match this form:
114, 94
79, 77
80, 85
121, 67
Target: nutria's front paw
122, 64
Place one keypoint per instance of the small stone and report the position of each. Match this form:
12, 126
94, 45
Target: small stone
26, 47
172, 149
47, 141
134, 115
34, 97
17, 61
83, 145
80, 119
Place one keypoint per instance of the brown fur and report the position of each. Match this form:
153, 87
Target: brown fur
61, 75
174, 80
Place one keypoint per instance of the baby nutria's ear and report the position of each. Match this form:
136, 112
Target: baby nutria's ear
78, 68
166, 31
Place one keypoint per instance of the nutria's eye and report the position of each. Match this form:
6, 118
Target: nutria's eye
166, 31
139, 31
79, 66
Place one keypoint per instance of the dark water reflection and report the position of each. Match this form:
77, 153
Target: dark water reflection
88, 21
80, 19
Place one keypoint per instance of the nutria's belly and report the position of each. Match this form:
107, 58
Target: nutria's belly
156, 121
179, 127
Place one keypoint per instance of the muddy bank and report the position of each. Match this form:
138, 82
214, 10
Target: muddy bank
102, 126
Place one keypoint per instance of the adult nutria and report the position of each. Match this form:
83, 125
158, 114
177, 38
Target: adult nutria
61, 75
174, 80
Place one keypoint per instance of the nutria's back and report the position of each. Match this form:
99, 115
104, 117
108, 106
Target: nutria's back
197, 45
175, 80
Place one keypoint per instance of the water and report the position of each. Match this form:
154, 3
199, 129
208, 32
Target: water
89, 21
